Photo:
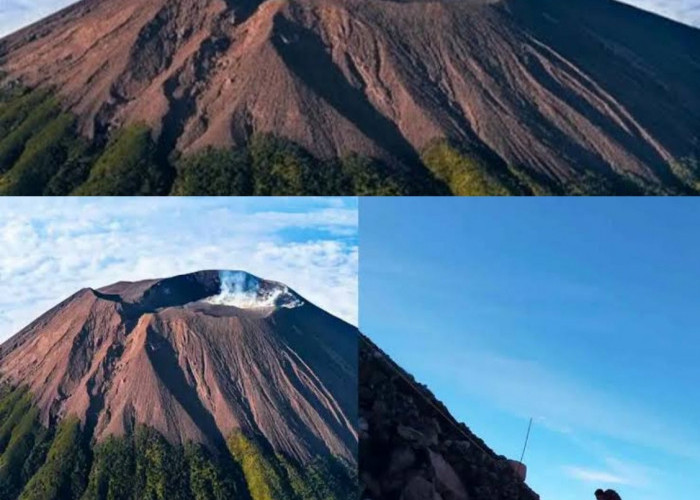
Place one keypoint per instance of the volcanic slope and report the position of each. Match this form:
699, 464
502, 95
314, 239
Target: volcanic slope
542, 95
413, 449
244, 371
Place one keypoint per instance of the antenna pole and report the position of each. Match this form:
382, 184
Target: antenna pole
526, 439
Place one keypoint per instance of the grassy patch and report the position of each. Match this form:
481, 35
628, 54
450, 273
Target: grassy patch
264, 477
127, 166
464, 174
19, 124
42, 158
63, 475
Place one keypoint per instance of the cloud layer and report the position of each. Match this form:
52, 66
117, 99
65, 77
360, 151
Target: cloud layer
51, 248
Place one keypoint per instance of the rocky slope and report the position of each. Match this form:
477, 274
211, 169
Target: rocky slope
558, 90
411, 448
218, 359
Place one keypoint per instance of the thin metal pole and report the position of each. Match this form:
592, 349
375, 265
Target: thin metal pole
526, 438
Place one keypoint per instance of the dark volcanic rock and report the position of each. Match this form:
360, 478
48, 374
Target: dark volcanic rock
411, 448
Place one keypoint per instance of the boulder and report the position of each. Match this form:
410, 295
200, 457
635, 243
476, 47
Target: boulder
419, 488
446, 479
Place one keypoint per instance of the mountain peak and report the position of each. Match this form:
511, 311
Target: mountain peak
231, 288
245, 291
196, 357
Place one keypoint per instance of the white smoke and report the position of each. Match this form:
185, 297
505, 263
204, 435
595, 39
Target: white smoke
245, 291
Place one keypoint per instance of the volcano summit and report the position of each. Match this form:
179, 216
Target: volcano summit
216, 384
351, 96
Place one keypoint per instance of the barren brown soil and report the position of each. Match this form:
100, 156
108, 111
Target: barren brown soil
551, 86
153, 353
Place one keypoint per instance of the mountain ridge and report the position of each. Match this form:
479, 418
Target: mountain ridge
411, 447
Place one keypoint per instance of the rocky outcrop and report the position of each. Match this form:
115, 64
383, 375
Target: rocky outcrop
411, 448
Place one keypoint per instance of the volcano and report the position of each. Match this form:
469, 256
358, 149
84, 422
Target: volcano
467, 96
245, 370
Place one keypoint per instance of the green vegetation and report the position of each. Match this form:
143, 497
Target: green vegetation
9, 92
37, 456
17, 105
39, 145
42, 153
210, 480
59, 463
364, 176
263, 475
63, 474
112, 472
322, 479
162, 471
271, 476
214, 172
72, 173
596, 183
273, 166
18, 124
128, 166
43, 156
145, 466
534, 183
464, 174
8, 399
589, 183
281, 167
687, 170
19, 431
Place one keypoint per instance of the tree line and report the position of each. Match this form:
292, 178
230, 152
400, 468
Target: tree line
62, 463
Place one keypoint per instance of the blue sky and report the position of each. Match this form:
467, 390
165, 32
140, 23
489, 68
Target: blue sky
579, 312
15, 14
51, 247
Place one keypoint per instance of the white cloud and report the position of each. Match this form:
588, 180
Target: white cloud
614, 472
15, 14
684, 11
594, 476
50, 248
